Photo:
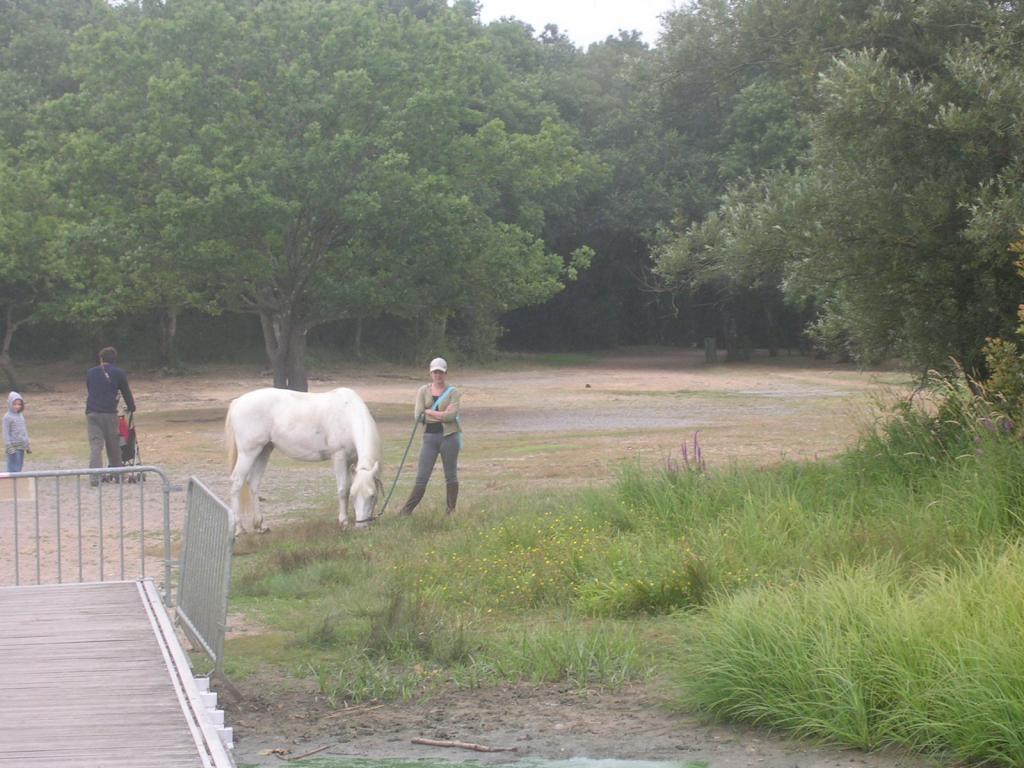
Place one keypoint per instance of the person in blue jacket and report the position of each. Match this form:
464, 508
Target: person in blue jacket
104, 384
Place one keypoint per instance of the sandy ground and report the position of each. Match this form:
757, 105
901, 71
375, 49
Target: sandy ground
532, 424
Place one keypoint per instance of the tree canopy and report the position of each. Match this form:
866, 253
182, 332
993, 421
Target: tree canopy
841, 171
891, 210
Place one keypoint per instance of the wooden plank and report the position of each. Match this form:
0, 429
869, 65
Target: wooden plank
84, 682
26, 487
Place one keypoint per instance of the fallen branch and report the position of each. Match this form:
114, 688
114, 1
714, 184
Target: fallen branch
308, 754
462, 745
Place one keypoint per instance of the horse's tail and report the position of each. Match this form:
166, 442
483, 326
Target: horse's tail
229, 438
244, 496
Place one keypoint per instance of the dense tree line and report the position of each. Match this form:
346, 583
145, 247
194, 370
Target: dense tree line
866, 162
395, 170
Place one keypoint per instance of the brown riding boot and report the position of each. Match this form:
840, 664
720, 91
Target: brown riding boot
413, 500
453, 496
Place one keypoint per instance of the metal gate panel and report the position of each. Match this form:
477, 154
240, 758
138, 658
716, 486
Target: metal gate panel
205, 571
85, 525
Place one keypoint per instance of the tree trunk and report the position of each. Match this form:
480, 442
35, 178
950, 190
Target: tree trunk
168, 336
8, 368
737, 347
710, 350
430, 335
730, 335
357, 339
442, 332
297, 379
276, 346
284, 340
6, 364
774, 334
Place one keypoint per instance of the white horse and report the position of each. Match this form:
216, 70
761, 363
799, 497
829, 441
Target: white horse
334, 425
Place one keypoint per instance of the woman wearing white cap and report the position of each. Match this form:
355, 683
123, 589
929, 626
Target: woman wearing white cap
437, 406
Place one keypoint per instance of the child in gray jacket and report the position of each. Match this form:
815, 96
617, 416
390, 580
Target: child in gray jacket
16, 442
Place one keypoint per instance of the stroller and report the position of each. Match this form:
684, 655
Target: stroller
130, 454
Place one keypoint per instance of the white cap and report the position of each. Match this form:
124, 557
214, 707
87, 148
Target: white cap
439, 364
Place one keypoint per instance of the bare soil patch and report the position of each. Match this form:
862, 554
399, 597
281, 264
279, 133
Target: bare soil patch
527, 425
548, 722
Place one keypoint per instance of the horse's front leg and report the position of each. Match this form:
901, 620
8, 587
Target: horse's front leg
344, 481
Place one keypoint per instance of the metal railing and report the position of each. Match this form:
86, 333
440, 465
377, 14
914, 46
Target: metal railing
205, 571
64, 525
85, 525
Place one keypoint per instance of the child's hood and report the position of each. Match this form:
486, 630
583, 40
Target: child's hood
10, 401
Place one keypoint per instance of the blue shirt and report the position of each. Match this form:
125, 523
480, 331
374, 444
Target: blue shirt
103, 383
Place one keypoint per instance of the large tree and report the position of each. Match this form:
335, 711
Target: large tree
35, 44
314, 161
28, 267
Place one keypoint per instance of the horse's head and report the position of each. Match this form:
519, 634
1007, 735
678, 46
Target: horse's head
366, 490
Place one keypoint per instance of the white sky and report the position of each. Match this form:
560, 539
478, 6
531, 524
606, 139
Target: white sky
584, 21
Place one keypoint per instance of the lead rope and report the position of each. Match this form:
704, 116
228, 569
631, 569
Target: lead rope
415, 426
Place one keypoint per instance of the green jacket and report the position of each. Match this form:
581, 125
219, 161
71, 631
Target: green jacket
425, 400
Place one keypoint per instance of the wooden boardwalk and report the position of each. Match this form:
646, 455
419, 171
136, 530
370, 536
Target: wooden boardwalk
91, 676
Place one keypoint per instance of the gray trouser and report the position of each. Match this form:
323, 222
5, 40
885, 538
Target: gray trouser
448, 447
103, 431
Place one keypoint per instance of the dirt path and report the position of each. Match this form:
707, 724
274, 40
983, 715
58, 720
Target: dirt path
541, 424
549, 722
530, 423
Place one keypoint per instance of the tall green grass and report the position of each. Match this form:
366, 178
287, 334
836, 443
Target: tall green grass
872, 599
866, 656
665, 541
911, 636
356, 614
